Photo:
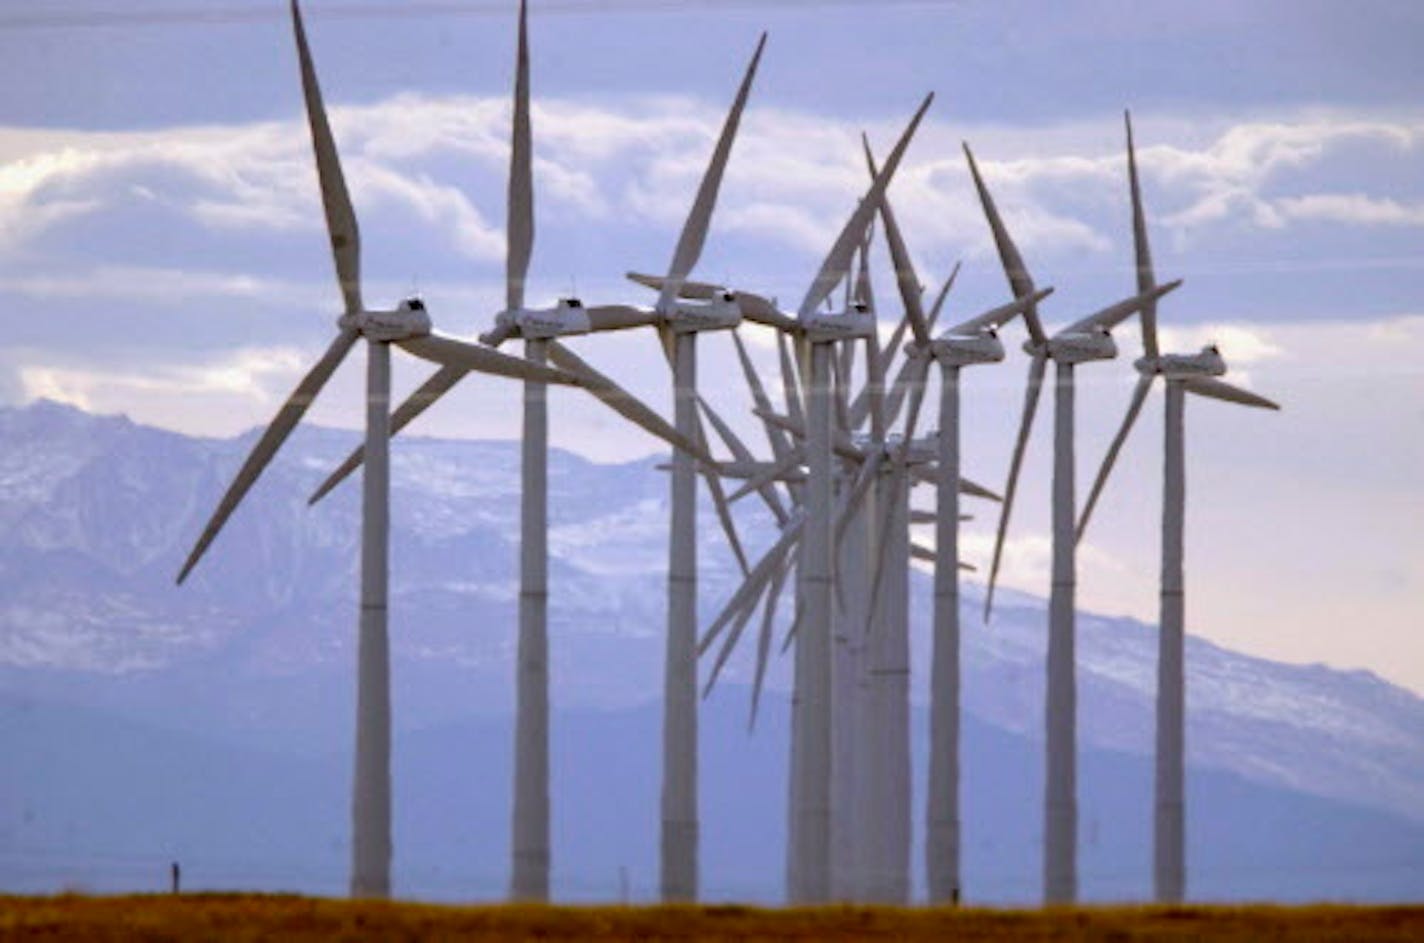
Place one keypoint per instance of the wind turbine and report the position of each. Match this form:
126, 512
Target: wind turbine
540, 329
407, 326
975, 341
1083, 341
808, 860
1181, 374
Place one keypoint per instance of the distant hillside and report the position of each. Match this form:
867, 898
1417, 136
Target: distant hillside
211, 722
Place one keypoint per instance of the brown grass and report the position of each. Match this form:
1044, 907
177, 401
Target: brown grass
260, 917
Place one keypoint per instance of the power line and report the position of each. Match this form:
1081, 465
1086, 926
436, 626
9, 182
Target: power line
112, 17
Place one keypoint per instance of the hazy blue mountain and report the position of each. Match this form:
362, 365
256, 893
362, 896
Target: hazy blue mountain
212, 723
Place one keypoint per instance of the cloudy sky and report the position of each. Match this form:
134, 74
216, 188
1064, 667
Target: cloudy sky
162, 254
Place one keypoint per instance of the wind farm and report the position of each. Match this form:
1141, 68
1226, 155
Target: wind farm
836, 631
849, 755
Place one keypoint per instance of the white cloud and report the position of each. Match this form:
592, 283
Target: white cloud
255, 374
1352, 209
791, 182
1240, 344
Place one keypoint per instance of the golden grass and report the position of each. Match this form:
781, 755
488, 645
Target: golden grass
239, 917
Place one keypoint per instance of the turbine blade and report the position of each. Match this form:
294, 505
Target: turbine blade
834, 268
780, 445
751, 586
1000, 315
1134, 406
743, 454
719, 499
768, 623
622, 402
497, 335
917, 398
729, 644
281, 426
1146, 281
943, 294
701, 291
775, 472
603, 318
905, 277
519, 229
1113, 315
1036, 369
892, 346
859, 488
440, 383
341, 225
790, 387
699, 218
978, 491
1020, 281
449, 352
1217, 389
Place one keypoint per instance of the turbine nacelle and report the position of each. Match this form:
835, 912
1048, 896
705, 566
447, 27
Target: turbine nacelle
855, 323
966, 350
1075, 347
1207, 362
567, 316
719, 312
406, 320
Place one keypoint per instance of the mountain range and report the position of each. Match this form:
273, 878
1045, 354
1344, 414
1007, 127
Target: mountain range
211, 723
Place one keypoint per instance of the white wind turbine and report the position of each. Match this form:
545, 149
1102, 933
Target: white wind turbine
972, 342
808, 857
540, 328
1181, 374
1083, 341
407, 326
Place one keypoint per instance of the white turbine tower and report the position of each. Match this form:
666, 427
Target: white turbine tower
408, 326
1181, 373
540, 329
1083, 341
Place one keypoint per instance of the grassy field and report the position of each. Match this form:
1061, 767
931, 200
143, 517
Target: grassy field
260, 917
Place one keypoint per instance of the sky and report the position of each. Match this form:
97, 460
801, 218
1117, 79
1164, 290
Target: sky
162, 253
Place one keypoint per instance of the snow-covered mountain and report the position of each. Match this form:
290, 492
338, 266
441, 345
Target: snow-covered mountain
97, 513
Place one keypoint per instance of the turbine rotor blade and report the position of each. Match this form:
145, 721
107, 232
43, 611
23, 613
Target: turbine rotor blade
775, 472
1146, 281
519, 230
622, 402
768, 622
449, 352
699, 218
1113, 315
341, 225
277, 431
751, 586
440, 383
497, 335
834, 268
1000, 315
1216, 389
790, 386
905, 277
743, 454
780, 445
1134, 406
604, 318
719, 498
1037, 366
1020, 281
